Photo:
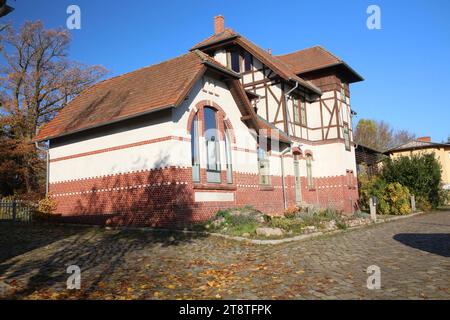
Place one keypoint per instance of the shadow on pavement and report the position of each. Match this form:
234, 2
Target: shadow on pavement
90, 248
436, 243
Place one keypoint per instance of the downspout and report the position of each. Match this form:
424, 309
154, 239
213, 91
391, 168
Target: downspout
47, 165
283, 182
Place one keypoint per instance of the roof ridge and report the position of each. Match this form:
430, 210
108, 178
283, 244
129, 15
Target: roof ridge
296, 51
317, 46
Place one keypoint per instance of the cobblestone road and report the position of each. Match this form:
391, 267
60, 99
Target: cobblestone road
413, 255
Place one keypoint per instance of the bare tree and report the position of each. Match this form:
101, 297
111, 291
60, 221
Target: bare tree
380, 135
36, 81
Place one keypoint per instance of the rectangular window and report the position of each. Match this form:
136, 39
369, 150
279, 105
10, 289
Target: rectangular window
303, 112
228, 157
343, 92
248, 61
309, 174
347, 137
234, 61
296, 112
194, 151
264, 167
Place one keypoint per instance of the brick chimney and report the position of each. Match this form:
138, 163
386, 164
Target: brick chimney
219, 24
424, 139
269, 51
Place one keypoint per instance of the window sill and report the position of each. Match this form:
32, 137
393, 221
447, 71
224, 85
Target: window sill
199, 186
266, 188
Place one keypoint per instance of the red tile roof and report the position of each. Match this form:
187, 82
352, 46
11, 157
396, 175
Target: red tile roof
143, 91
314, 58
278, 66
139, 92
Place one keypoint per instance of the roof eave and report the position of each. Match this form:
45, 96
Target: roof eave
47, 138
357, 76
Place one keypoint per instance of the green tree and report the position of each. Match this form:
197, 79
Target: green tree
421, 174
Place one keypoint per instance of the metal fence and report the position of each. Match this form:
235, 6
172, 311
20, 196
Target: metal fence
16, 210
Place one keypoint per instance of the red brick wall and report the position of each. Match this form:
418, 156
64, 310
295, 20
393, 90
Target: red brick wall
165, 197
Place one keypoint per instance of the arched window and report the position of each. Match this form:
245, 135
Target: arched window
228, 155
194, 151
212, 146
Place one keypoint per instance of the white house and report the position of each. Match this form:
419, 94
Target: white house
225, 125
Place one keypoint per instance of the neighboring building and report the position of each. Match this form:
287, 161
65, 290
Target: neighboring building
368, 159
424, 145
227, 124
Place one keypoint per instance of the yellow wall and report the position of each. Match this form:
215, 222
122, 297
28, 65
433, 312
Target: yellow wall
442, 154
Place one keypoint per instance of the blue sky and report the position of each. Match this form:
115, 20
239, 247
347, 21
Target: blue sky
406, 64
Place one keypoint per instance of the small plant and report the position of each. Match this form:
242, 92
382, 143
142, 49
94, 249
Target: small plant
341, 225
291, 212
225, 214
361, 215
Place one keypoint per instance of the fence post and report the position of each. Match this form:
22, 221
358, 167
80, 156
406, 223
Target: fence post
413, 203
14, 210
373, 209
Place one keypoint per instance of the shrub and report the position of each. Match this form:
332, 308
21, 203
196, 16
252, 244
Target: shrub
373, 187
423, 204
421, 174
47, 205
397, 199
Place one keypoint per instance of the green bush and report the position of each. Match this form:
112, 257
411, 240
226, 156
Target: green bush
397, 199
373, 187
287, 224
393, 198
421, 174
